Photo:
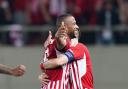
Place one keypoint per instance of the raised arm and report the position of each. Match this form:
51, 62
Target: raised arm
61, 37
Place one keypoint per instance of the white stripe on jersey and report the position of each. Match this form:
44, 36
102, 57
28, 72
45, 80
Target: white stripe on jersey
53, 85
77, 74
49, 84
78, 69
57, 84
83, 68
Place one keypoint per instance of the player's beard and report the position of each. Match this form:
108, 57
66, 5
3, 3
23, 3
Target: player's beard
71, 35
75, 34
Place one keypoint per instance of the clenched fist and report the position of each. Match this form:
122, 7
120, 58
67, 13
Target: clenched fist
18, 71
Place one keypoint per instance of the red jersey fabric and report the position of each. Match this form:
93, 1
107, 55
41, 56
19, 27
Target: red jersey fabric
59, 76
81, 76
76, 75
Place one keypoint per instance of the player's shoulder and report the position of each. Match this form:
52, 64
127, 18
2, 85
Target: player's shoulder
81, 45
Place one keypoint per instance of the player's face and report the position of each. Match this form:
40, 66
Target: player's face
71, 25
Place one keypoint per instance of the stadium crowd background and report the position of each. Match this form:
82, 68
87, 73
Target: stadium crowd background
101, 21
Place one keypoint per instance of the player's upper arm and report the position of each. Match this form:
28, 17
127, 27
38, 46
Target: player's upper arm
74, 53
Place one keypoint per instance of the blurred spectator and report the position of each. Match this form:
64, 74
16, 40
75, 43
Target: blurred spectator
71, 4
107, 16
123, 6
5, 13
45, 11
35, 12
56, 8
16, 35
19, 8
85, 11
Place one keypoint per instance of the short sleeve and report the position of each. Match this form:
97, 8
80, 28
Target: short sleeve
78, 51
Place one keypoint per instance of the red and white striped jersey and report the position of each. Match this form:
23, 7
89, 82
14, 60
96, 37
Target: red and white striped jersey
76, 75
81, 76
59, 76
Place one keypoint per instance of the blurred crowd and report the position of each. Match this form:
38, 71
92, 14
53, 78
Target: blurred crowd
40, 12
104, 13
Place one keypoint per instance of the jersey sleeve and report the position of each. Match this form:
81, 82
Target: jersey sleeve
75, 53
78, 51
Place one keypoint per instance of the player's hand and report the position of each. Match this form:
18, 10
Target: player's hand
61, 36
43, 78
62, 31
48, 40
18, 71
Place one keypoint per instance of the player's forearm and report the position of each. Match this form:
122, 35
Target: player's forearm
53, 63
50, 64
61, 42
5, 70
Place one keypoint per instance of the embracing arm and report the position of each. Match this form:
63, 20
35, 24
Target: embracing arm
62, 59
55, 62
75, 53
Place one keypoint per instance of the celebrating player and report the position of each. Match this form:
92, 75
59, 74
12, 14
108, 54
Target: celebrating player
76, 55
